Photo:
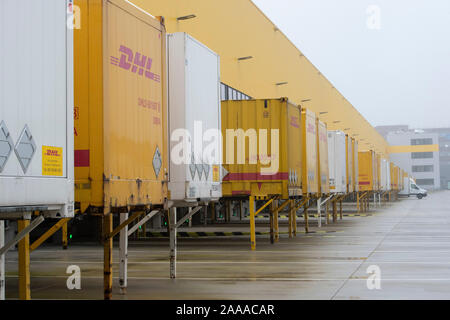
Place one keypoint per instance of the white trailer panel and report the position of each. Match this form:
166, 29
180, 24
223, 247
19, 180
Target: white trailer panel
36, 106
194, 105
337, 161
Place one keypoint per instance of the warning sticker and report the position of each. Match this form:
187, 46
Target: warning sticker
52, 161
216, 174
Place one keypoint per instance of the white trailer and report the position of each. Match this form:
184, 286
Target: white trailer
383, 175
36, 108
337, 161
194, 108
36, 120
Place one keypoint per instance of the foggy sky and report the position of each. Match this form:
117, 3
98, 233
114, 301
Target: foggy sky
398, 74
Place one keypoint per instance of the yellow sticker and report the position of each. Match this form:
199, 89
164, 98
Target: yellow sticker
52, 161
216, 173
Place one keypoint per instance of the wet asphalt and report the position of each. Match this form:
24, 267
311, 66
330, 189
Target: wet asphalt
406, 242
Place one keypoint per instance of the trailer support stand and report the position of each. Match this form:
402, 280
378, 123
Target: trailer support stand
2, 261
305, 213
335, 211
24, 262
291, 217
275, 220
107, 253
173, 241
357, 202
123, 254
271, 225
64, 235
319, 213
252, 222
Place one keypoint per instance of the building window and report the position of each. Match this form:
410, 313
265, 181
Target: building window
425, 182
421, 142
229, 93
427, 168
421, 155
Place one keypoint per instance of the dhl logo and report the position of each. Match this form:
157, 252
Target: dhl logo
311, 128
135, 62
295, 122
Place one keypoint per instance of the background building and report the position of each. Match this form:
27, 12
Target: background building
424, 165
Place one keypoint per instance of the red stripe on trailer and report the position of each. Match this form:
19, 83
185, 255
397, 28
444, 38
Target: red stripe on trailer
81, 158
256, 176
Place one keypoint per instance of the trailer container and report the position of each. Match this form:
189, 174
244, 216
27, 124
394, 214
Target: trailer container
194, 104
323, 165
394, 176
388, 176
271, 162
120, 106
383, 175
337, 162
366, 171
378, 157
355, 165
36, 108
349, 167
310, 180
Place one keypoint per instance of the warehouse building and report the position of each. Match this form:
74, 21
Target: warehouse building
398, 135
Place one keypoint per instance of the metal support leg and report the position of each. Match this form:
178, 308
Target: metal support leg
319, 213
241, 210
229, 210
190, 219
340, 209
173, 242
291, 216
107, 253
252, 222
64, 235
24, 262
271, 224
213, 212
294, 222
275, 221
358, 208
334, 211
2, 261
305, 213
123, 255
327, 214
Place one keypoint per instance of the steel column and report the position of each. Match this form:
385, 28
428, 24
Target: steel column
24, 262
123, 254
340, 209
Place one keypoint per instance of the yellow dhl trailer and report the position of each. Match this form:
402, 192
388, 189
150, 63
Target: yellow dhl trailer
120, 116
120, 106
349, 159
379, 168
322, 163
270, 164
310, 180
367, 171
394, 176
